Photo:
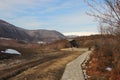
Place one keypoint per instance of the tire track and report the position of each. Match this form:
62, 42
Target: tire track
11, 72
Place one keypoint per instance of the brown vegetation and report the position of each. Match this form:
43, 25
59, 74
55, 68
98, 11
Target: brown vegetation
90, 41
107, 52
47, 66
56, 45
51, 70
37, 61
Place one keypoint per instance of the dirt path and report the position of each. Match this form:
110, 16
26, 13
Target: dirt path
49, 70
73, 69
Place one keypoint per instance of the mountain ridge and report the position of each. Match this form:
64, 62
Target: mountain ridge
8, 30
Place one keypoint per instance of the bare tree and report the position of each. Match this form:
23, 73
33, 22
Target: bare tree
107, 12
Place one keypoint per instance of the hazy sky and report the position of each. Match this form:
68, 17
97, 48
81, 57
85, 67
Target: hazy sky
61, 15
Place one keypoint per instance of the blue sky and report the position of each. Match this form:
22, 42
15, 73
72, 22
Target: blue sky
66, 16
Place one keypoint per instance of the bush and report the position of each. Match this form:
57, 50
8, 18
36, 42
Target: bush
105, 54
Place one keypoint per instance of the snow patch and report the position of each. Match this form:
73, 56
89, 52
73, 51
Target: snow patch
108, 69
80, 33
41, 42
2, 38
11, 51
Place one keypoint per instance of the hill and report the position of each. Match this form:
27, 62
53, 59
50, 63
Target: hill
45, 35
8, 30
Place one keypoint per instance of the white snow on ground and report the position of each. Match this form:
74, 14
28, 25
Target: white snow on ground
108, 69
79, 33
11, 51
2, 38
41, 42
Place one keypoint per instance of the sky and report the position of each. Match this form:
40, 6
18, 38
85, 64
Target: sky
65, 16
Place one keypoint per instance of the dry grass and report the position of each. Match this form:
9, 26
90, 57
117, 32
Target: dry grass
106, 54
51, 70
74, 49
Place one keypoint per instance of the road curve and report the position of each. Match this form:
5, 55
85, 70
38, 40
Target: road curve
73, 70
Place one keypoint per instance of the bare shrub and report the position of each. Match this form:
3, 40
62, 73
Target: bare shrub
107, 51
